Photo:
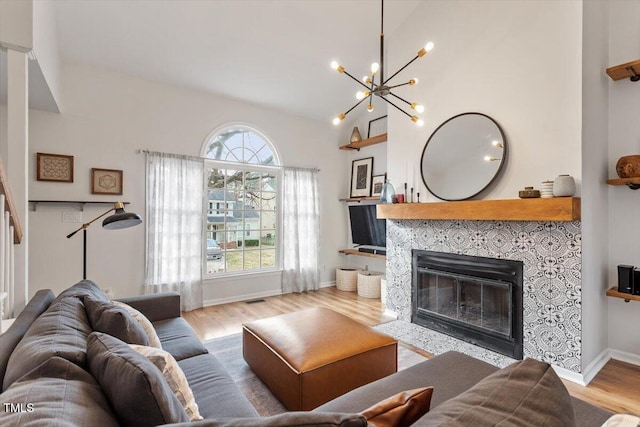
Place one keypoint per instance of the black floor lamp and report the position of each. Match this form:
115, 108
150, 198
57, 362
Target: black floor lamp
120, 219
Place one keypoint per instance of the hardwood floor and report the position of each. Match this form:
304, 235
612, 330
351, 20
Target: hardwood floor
616, 387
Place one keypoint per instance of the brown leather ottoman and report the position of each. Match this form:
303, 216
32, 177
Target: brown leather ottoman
309, 357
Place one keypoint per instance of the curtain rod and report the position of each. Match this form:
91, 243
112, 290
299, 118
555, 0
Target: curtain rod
184, 156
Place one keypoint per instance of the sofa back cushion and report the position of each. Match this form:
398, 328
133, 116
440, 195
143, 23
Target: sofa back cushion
134, 386
57, 392
61, 331
526, 393
115, 321
10, 339
82, 289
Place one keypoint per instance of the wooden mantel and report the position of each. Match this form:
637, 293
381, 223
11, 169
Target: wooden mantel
548, 209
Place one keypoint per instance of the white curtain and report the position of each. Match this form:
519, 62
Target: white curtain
300, 230
175, 194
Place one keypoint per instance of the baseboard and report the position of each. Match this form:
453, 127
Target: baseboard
594, 367
245, 297
328, 284
390, 313
623, 356
566, 374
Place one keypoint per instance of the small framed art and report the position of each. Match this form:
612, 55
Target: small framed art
377, 127
54, 167
377, 182
106, 181
361, 177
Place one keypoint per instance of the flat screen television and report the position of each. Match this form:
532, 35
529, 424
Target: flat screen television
366, 229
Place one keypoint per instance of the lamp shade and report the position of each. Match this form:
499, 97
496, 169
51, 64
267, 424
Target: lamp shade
121, 219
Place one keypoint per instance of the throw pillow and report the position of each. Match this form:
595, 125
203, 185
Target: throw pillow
138, 392
622, 420
115, 321
154, 341
175, 377
292, 419
402, 409
525, 393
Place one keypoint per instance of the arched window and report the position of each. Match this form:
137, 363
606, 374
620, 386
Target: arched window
243, 181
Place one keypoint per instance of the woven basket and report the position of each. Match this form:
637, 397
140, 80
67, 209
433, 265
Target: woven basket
369, 284
347, 279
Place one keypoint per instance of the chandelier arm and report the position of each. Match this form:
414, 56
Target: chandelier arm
357, 103
401, 99
398, 108
359, 82
381, 41
401, 84
406, 65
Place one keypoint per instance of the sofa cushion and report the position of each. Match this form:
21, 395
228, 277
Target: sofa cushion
61, 331
115, 321
174, 376
145, 324
178, 338
402, 409
10, 339
525, 393
57, 392
82, 289
288, 419
216, 393
136, 389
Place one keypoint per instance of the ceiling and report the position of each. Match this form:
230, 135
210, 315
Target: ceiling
275, 53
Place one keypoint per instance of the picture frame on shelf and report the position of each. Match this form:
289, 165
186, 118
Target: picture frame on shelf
377, 183
54, 167
106, 181
361, 171
377, 127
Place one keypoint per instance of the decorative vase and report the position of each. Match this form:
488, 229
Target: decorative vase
628, 166
564, 186
355, 135
388, 193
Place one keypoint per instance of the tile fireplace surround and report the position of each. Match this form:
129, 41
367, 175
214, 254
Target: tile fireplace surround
550, 251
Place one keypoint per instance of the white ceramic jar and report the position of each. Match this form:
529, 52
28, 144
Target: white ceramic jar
564, 186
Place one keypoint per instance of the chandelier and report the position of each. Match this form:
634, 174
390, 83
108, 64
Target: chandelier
383, 88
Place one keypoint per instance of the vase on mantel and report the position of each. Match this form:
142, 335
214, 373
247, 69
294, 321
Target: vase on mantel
388, 194
564, 186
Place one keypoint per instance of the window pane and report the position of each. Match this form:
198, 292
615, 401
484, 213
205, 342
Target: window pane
268, 258
234, 260
268, 201
251, 259
267, 238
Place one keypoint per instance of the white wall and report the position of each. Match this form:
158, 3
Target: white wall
595, 211
45, 48
106, 118
16, 28
518, 62
624, 204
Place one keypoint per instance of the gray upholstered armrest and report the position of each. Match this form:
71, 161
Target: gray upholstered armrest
157, 306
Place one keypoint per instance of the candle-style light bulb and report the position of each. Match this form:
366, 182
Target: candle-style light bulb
375, 67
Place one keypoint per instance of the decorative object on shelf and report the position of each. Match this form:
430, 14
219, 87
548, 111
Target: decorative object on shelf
546, 189
355, 135
347, 279
469, 142
120, 219
377, 127
388, 194
564, 186
529, 193
361, 177
106, 181
382, 89
400, 198
377, 184
628, 166
622, 71
54, 167
369, 284
626, 278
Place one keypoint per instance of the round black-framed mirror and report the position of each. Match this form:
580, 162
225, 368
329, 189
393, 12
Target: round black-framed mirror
463, 156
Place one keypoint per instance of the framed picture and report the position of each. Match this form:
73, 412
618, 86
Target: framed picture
361, 177
54, 167
106, 181
377, 182
377, 127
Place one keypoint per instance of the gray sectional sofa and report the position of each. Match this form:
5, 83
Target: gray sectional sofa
52, 372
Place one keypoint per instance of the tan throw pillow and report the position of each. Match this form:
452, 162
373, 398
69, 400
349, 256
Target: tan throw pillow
402, 409
174, 376
154, 341
622, 420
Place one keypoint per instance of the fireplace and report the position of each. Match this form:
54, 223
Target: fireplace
475, 299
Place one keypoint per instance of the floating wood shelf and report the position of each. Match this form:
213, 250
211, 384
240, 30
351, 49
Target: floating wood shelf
632, 183
358, 253
73, 202
624, 71
362, 199
9, 206
547, 209
613, 292
365, 142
